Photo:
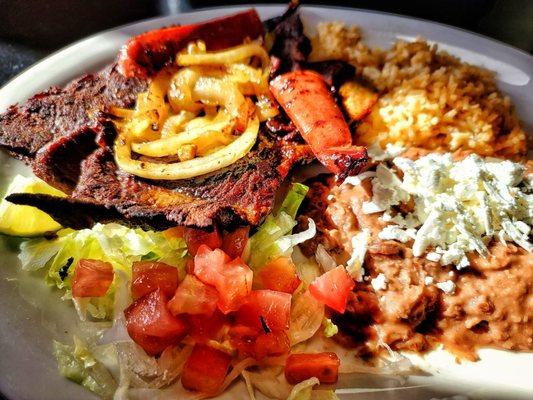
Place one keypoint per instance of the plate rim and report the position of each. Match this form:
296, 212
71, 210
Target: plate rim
401, 17
218, 10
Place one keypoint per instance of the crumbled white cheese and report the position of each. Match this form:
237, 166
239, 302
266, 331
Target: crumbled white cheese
358, 179
523, 227
463, 263
507, 172
376, 153
458, 206
394, 232
386, 217
515, 234
447, 287
354, 266
428, 280
369, 207
379, 282
433, 256
386, 191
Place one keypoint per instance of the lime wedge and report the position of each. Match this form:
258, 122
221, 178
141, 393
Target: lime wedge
27, 221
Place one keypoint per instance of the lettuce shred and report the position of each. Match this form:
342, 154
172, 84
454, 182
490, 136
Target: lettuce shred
330, 329
114, 243
77, 364
304, 391
273, 238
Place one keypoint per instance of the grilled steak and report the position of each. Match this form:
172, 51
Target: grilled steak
242, 192
67, 137
63, 136
25, 129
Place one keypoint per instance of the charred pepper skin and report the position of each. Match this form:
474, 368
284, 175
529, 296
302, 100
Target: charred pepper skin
305, 97
145, 54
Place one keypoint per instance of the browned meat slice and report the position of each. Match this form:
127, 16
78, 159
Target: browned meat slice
62, 134
82, 164
67, 137
26, 128
243, 192
290, 46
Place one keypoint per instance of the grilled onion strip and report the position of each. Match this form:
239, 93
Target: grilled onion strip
221, 158
199, 111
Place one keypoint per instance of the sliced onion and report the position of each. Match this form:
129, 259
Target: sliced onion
307, 314
205, 136
180, 94
229, 56
176, 122
324, 259
191, 168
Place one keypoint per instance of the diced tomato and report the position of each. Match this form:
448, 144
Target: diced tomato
92, 278
243, 339
250, 342
232, 279
333, 288
302, 366
193, 297
235, 287
233, 243
279, 275
148, 276
271, 344
202, 328
266, 309
209, 264
205, 369
198, 237
189, 266
151, 325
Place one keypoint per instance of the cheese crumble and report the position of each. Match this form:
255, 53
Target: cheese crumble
458, 206
448, 287
379, 282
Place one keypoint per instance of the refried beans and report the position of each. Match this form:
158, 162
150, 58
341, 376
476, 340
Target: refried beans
491, 304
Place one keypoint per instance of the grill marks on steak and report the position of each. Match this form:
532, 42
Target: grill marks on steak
60, 161
82, 164
61, 133
25, 129
65, 136
243, 192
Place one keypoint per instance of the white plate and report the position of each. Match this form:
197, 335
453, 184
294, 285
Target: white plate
31, 314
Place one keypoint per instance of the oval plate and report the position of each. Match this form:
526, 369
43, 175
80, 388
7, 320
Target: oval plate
32, 315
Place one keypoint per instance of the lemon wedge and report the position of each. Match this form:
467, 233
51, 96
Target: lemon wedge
27, 221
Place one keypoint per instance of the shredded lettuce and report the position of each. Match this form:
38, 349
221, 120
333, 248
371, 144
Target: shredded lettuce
270, 381
114, 243
304, 391
307, 314
77, 364
306, 268
286, 243
330, 329
273, 238
293, 199
118, 332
